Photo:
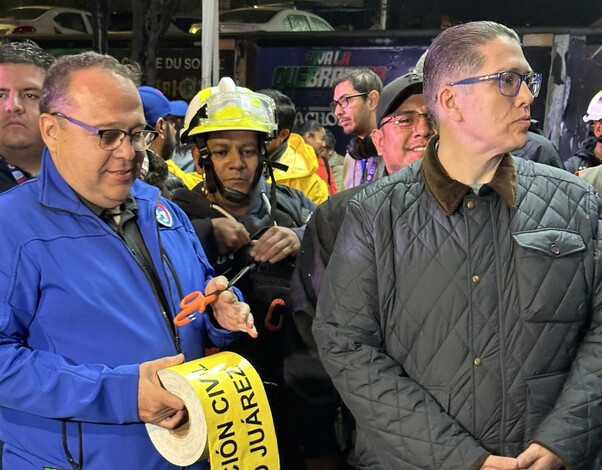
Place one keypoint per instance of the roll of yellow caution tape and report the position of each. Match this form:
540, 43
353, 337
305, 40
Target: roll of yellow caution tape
230, 421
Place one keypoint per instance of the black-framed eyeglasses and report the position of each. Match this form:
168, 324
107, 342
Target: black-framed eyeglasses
343, 101
111, 139
407, 119
508, 82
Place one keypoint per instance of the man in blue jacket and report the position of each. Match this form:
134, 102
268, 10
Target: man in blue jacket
93, 266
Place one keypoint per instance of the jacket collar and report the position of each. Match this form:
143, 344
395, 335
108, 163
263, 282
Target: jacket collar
449, 193
58, 194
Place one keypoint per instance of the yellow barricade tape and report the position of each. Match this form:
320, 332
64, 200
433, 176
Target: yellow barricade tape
230, 420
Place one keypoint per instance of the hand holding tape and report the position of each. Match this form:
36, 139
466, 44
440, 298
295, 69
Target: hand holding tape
229, 418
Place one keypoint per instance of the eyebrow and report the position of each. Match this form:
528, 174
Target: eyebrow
516, 69
117, 125
21, 89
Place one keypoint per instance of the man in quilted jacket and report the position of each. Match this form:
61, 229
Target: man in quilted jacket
460, 316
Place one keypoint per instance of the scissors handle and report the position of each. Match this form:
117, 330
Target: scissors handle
196, 302
193, 304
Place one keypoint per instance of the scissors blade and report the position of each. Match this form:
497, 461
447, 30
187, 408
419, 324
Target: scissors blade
240, 274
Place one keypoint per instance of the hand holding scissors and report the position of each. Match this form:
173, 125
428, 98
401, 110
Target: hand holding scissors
230, 313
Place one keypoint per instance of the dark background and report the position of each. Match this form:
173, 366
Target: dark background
401, 14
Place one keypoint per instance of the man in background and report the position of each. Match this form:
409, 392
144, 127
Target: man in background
335, 161
313, 134
163, 116
294, 161
23, 66
589, 153
244, 221
403, 129
354, 103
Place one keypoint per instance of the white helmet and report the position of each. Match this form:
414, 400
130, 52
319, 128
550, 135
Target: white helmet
594, 110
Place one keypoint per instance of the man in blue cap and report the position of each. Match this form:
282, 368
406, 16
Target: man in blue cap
163, 115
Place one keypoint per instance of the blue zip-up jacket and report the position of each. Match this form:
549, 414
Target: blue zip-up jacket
78, 316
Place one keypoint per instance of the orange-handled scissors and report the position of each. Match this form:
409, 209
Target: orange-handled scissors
196, 302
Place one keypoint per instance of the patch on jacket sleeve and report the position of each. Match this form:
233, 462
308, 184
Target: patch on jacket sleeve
163, 216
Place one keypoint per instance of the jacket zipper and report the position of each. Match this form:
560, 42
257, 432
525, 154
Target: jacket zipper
166, 317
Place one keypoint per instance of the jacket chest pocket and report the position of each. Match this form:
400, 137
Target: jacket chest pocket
550, 274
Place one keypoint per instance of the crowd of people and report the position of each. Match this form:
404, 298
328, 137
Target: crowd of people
432, 299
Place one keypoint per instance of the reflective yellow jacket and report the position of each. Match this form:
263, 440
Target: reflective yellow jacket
301, 174
189, 179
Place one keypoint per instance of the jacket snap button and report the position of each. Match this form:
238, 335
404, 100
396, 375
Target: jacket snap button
476, 279
477, 361
555, 248
470, 204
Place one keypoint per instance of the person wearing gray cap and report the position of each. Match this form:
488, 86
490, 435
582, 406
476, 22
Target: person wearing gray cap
402, 130
403, 124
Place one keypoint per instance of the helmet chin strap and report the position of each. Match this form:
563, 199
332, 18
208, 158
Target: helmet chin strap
232, 195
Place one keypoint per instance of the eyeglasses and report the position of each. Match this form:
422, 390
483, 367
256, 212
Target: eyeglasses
508, 82
343, 101
111, 139
408, 119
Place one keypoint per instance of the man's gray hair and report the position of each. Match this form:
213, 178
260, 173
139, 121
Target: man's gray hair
25, 52
58, 78
363, 80
455, 54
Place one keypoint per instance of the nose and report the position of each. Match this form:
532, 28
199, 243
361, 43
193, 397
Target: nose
524, 96
236, 159
337, 109
423, 127
126, 150
13, 103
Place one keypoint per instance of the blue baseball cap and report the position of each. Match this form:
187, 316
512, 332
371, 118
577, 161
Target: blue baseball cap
178, 108
156, 105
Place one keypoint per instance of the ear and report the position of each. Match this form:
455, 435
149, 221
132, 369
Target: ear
160, 127
448, 103
378, 139
50, 130
597, 128
283, 135
196, 155
373, 98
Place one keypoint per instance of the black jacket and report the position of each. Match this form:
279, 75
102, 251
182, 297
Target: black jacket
265, 282
293, 211
6, 177
584, 157
540, 149
456, 324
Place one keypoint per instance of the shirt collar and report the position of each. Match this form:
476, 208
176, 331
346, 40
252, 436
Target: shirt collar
128, 206
449, 193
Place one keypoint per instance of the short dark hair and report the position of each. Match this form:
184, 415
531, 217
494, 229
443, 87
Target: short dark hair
329, 140
25, 52
455, 53
364, 80
285, 108
312, 126
59, 75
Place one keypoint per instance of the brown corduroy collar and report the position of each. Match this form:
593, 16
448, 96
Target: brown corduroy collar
449, 193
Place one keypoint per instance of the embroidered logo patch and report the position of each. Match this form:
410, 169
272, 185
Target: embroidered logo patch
163, 215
